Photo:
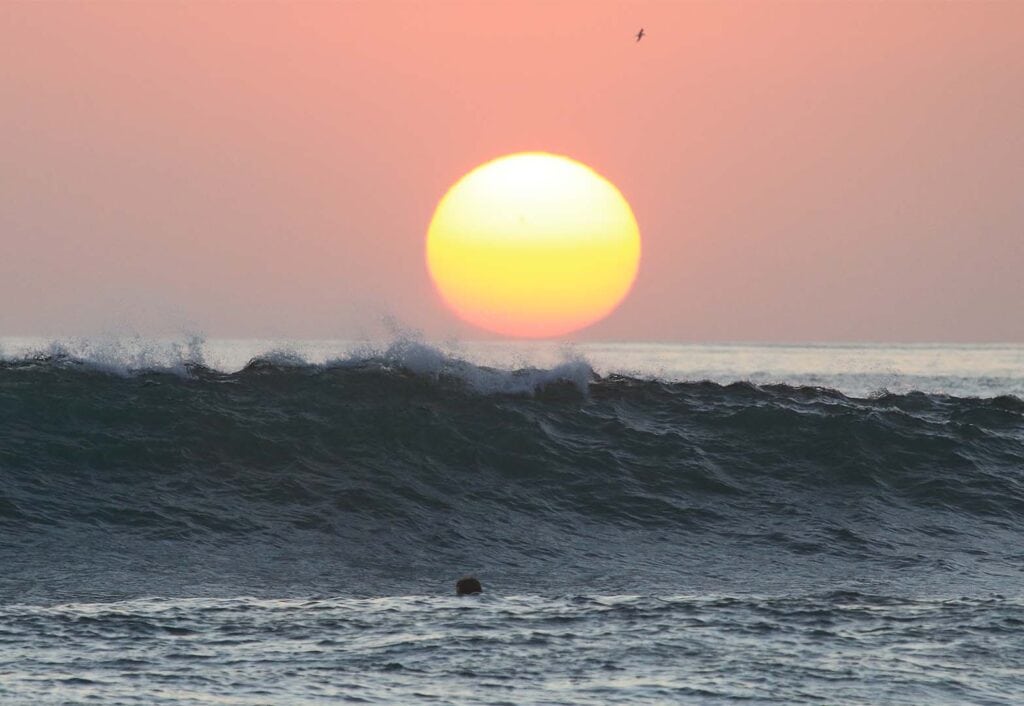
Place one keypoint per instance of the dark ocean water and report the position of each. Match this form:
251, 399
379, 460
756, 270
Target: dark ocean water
290, 533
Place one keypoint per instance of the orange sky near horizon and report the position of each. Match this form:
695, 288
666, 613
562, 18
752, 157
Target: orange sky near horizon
800, 171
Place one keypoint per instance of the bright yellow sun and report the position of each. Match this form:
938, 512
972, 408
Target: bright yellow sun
533, 245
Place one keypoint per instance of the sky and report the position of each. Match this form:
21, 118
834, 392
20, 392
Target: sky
818, 171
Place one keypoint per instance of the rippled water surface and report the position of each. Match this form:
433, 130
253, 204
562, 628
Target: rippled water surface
518, 649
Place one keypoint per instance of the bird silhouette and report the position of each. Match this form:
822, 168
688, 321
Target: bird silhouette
640, 34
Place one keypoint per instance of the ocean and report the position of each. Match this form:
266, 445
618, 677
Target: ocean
265, 522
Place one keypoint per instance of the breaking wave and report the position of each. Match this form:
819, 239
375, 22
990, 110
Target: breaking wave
408, 463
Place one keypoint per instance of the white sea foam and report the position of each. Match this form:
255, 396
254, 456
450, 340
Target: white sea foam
117, 355
424, 359
523, 367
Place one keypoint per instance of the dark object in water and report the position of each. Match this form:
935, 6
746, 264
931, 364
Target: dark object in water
468, 586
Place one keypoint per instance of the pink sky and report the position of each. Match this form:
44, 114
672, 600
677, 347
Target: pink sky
800, 171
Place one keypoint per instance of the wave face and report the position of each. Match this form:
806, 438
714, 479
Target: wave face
393, 472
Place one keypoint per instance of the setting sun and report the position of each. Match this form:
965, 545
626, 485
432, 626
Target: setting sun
533, 245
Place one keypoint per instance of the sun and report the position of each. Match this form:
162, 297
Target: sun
533, 245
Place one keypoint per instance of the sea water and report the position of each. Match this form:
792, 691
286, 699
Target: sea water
267, 522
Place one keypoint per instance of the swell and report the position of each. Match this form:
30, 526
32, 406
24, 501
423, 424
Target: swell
387, 460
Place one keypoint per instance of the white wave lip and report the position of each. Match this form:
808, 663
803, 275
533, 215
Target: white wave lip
858, 370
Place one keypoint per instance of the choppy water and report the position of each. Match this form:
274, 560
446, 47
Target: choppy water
652, 524
835, 648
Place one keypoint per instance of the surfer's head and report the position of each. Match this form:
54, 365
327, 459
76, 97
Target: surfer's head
468, 586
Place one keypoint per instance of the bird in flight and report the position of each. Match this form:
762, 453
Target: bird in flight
640, 34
